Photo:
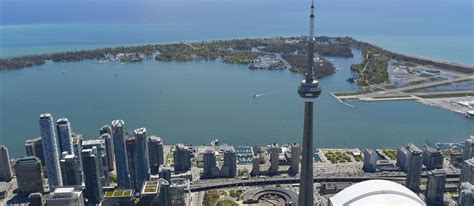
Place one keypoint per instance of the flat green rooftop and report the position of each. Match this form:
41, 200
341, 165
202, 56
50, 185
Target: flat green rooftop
118, 193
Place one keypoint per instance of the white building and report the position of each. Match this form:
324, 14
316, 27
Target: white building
376, 192
66, 196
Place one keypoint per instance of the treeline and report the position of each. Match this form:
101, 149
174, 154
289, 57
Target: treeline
298, 64
373, 69
364, 46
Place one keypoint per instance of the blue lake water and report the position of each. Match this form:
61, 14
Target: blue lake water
200, 101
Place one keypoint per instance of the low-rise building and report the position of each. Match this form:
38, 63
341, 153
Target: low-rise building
70, 196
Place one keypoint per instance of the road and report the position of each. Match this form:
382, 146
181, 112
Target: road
204, 185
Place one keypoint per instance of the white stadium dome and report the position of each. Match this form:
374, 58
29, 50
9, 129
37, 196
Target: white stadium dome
376, 192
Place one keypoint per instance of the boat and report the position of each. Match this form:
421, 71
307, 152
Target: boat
254, 96
469, 114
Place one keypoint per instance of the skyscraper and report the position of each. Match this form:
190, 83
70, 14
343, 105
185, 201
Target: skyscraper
309, 90
468, 148
229, 168
370, 160
295, 159
466, 197
165, 193
165, 173
50, 150
70, 196
415, 163
182, 158
120, 152
142, 164
5, 166
71, 170
402, 158
93, 186
105, 129
29, 175
109, 148
435, 187
155, 150
101, 155
209, 164
131, 156
274, 159
432, 158
63, 127
34, 147
255, 165
467, 171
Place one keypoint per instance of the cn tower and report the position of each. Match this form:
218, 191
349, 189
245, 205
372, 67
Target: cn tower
309, 90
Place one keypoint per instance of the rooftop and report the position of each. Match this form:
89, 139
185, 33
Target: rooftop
118, 123
45, 116
150, 187
118, 193
140, 130
376, 192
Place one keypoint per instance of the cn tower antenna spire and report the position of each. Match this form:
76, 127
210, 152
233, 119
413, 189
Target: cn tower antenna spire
309, 91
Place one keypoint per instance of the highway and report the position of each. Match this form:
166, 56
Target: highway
203, 185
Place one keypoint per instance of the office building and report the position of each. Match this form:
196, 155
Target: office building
432, 158
295, 159
6, 173
468, 152
101, 154
466, 196
34, 147
142, 164
467, 171
63, 128
50, 150
109, 148
62, 196
29, 175
71, 170
274, 159
120, 153
182, 158
435, 185
105, 129
209, 161
92, 182
370, 160
155, 151
415, 163
229, 167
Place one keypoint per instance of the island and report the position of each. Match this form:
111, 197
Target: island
382, 74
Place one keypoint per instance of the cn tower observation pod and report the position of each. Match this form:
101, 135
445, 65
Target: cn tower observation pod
309, 91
